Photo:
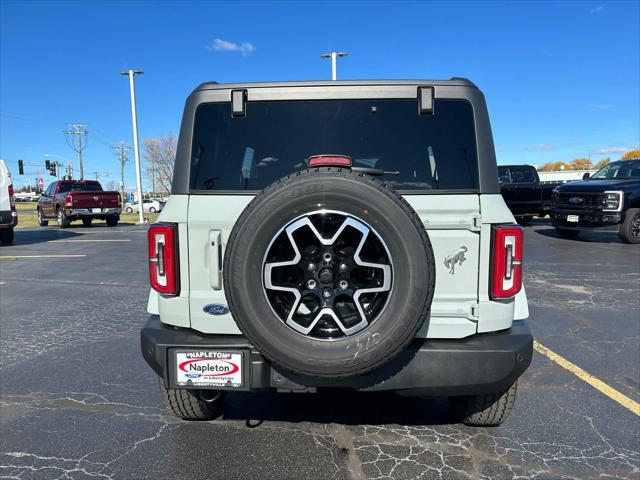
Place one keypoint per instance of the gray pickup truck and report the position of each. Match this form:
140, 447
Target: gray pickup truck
345, 234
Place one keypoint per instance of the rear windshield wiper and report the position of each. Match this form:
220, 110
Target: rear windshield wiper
373, 171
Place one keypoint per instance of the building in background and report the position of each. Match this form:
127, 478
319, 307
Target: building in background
563, 176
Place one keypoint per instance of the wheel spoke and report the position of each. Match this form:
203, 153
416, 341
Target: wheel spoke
325, 273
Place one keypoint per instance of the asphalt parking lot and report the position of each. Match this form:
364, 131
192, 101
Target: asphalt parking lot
78, 402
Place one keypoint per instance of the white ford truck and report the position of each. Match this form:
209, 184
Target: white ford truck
345, 234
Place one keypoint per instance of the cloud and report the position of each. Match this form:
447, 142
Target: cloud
541, 147
220, 45
597, 9
598, 106
608, 150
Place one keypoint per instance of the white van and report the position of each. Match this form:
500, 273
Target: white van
8, 214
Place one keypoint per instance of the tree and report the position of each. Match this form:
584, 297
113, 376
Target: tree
581, 164
555, 166
631, 154
111, 186
602, 163
160, 155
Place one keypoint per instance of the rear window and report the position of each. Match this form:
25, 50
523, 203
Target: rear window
275, 139
79, 187
516, 174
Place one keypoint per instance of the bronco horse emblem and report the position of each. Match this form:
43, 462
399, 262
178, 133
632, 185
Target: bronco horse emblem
458, 257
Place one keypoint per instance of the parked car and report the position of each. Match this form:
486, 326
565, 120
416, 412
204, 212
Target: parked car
305, 260
523, 192
8, 212
26, 196
608, 200
70, 200
148, 206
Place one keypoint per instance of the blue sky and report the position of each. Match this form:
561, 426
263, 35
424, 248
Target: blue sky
561, 78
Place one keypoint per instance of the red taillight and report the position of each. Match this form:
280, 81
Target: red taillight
506, 272
329, 161
68, 201
163, 254
12, 199
119, 200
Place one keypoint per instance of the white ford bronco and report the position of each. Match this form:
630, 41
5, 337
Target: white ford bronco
345, 234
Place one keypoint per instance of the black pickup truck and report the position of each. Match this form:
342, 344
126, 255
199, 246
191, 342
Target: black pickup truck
609, 200
524, 194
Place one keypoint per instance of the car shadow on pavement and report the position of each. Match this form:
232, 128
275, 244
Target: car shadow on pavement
338, 406
30, 237
590, 236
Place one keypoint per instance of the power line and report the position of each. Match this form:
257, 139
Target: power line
73, 135
121, 152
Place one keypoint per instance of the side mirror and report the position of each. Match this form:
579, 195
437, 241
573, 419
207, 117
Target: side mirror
586, 175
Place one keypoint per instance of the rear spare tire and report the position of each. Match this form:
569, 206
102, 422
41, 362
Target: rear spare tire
329, 273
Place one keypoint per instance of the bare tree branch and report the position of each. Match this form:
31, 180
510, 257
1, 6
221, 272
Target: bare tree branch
159, 156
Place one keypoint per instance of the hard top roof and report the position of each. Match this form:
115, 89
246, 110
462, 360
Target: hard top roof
455, 81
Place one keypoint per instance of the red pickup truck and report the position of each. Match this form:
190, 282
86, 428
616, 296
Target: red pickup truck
69, 200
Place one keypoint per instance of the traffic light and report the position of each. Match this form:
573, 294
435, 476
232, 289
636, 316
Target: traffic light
47, 164
20, 167
52, 169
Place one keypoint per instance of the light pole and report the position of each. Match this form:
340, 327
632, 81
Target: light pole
333, 56
136, 150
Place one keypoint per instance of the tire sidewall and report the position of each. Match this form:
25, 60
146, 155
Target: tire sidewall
412, 283
627, 226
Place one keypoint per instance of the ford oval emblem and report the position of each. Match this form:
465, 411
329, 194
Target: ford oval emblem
216, 309
576, 200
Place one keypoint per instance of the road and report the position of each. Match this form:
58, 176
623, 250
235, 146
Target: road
78, 402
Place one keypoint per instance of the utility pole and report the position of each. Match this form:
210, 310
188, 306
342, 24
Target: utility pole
121, 152
136, 148
77, 130
333, 56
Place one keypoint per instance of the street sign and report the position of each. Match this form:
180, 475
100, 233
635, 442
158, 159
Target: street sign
40, 182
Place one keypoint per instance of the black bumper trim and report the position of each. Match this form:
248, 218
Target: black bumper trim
589, 219
7, 220
483, 363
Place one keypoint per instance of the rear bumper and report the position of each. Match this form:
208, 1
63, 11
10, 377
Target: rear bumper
588, 220
483, 363
8, 219
87, 212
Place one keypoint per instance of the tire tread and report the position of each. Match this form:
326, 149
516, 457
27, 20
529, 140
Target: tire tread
489, 409
186, 404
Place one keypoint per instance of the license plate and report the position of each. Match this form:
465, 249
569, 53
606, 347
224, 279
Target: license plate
96, 210
208, 368
573, 218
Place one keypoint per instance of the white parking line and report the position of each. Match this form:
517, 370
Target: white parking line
13, 257
104, 230
90, 240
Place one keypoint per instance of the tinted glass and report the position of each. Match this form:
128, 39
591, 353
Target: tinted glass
275, 139
503, 173
80, 187
522, 175
619, 170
